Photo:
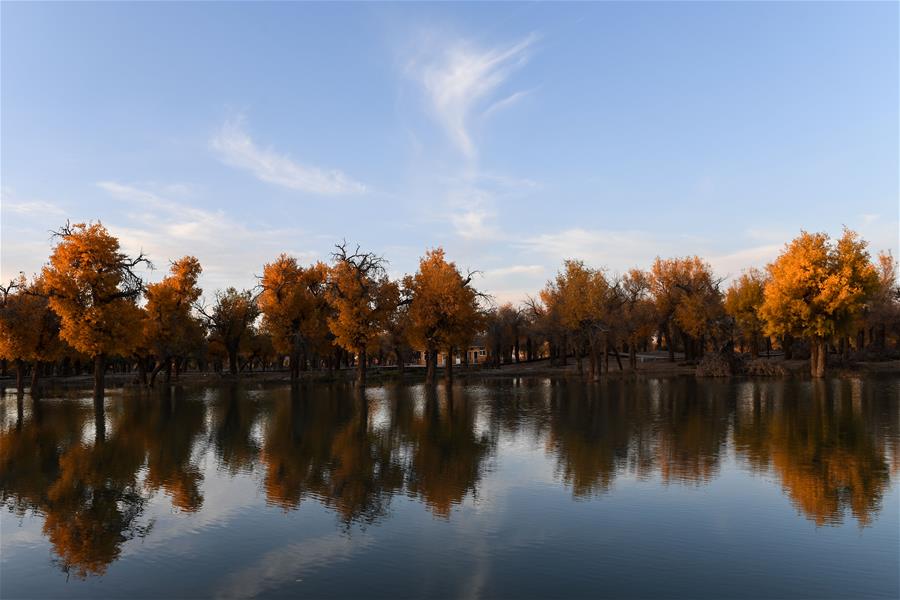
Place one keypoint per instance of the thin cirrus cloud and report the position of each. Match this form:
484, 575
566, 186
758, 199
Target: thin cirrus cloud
461, 81
161, 222
236, 148
10, 203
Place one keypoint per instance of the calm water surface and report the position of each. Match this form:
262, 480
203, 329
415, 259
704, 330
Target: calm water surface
516, 488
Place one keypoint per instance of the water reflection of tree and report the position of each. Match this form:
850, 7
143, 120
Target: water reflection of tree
674, 428
94, 505
234, 415
30, 452
693, 421
830, 451
319, 443
86, 482
446, 453
826, 452
169, 426
596, 433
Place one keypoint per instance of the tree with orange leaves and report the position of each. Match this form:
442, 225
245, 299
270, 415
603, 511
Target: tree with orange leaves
359, 291
443, 310
638, 317
291, 303
742, 303
688, 302
818, 289
170, 328
231, 322
93, 288
29, 329
883, 311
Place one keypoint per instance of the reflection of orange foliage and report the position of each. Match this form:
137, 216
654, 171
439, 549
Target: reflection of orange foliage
447, 453
824, 487
90, 493
92, 509
691, 440
324, 448
826, 459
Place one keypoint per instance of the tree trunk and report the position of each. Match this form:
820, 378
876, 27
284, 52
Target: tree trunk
99, 377
606, 354
233, 360
20, 376
398, 351
564, 350
142, 371
430, 359
448, 366
35, 373
361, 368
592, 364
818, 357
787, 344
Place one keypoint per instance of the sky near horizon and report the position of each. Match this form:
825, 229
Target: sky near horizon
513, 135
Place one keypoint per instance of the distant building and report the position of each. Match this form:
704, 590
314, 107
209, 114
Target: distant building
476, 354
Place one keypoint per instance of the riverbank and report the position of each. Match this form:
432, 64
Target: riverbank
377, 375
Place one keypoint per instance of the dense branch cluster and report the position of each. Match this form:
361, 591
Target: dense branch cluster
89, 306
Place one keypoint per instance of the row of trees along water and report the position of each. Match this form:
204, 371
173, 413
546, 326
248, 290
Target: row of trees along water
89, 305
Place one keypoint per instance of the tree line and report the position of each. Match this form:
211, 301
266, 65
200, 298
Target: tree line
90, 308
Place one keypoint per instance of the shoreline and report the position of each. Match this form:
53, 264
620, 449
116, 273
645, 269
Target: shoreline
793, 369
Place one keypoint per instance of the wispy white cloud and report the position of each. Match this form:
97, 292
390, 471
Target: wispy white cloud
166, 227
471, 210
236, 148
10, 203
504, 103
35, 207
613, 249
460, 79
732, 264
515, 270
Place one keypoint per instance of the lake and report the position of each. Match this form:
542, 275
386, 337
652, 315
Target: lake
499, 488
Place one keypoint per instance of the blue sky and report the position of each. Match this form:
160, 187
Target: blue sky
513, 135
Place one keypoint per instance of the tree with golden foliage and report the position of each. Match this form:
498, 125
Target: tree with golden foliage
883, 315
359, 292
742, 303
544, 312
443, 311
817, 289
688, 302
638, 316
231, 321
170, 328
291, 303
397, 324
93, 288
29, 329
588, 304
